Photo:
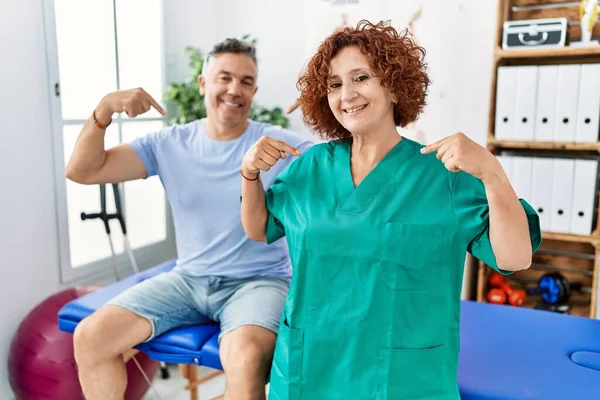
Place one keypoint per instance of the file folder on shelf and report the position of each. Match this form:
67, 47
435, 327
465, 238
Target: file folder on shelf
521, 176
584, 196
505, 103
566, 103
527, 80
588, 105
562, 189
541, 190
545, 103
506, 162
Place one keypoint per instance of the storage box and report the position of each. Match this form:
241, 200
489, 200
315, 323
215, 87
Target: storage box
534, 33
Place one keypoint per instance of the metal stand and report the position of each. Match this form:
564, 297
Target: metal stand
105, 217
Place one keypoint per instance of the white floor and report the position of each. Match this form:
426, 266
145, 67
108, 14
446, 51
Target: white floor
173, 387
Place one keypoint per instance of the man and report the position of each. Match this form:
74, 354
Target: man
221, 274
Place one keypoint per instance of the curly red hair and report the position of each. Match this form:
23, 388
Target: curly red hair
394, 57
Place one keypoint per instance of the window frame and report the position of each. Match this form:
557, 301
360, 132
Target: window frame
146, 256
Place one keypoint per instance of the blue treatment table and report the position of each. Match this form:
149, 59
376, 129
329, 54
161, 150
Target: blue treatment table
506, 352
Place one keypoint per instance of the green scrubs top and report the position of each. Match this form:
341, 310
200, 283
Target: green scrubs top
374, 304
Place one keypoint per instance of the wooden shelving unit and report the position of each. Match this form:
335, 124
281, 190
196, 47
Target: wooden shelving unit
565, 52
501, 144
565, 237
577, 257
555, 254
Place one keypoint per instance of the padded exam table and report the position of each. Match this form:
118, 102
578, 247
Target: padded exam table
506, 352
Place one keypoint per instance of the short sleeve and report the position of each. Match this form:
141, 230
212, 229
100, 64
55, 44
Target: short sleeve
146, 149
277, 198
472, 213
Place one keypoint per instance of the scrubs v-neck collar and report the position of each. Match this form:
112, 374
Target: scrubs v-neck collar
356, 199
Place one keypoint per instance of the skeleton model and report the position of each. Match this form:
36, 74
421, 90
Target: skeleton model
588, 13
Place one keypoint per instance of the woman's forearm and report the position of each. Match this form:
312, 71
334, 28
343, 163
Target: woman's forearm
509, 229
261, 157
254, 210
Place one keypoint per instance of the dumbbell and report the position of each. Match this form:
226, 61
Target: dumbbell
558, 308
502, 291
554, 288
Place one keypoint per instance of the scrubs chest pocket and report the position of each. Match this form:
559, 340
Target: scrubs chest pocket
286, 372
411, 255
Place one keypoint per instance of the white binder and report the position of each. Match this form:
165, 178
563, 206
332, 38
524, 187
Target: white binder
506, 82
541, 190
566, 103
588, 112
562, 190
545, 103
527, 81
506, 162
584, 196
521, 177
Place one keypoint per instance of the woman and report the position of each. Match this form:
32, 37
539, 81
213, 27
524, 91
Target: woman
378, 228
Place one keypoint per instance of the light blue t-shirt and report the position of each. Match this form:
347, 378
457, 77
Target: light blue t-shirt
202, 182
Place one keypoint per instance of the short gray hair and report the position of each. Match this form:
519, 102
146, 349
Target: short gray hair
231, 45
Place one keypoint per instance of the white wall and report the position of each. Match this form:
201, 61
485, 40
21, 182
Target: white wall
28, 240
458, 38
280, 41
28, 231
187, 23
280, 46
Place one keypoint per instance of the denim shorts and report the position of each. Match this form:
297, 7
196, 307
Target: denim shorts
176, 299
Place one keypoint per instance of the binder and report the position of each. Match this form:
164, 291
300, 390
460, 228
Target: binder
588, 111
506, 163
521, 176
584, 196
566, 103
527, 82
506, 82
562, 189
545, 103
541, 190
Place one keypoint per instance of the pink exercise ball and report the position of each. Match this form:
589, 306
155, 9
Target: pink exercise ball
41, 364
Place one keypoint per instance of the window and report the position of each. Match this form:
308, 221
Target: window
95, 48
